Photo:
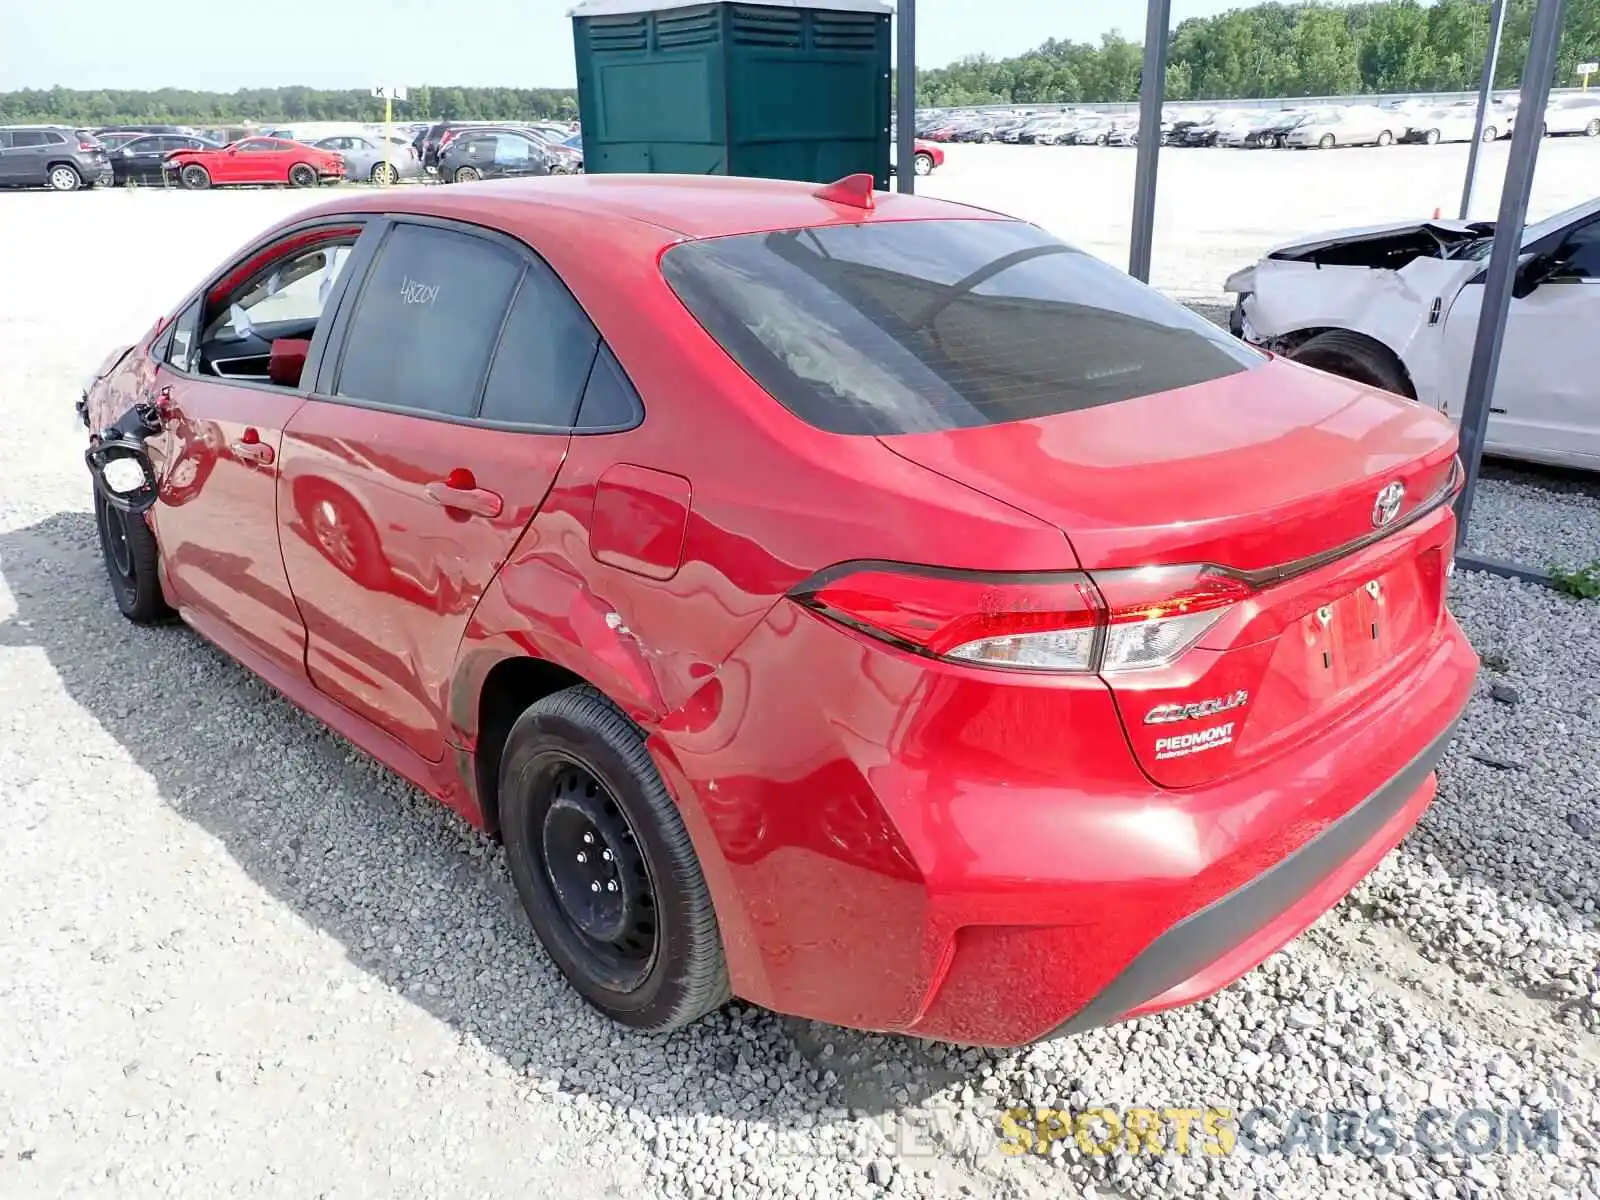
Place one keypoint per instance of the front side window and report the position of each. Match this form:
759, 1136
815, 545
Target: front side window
912, 326
184, 347
1579, 256
511, 150
257, 146
427, 321
27, 137
292, 291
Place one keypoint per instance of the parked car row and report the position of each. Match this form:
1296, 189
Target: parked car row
1322, 127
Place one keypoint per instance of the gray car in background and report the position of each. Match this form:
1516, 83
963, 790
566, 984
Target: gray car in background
364, 158
54, 156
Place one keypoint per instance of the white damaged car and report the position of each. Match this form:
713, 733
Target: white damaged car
1396, 306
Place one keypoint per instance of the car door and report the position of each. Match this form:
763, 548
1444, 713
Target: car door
8, 160
1546, 402
25, 161
140, 159
435, 433
247, 161
217, 516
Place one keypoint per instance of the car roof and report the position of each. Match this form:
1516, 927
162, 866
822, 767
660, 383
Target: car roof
691, 206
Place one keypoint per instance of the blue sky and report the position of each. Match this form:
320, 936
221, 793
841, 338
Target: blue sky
346, 43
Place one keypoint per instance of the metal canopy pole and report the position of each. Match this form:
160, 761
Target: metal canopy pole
1152, 91
905, 154
1491, 61
1503, 259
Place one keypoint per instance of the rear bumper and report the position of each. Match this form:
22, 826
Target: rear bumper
1204, 952
941, 851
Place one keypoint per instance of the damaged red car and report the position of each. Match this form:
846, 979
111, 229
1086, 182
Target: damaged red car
861, 604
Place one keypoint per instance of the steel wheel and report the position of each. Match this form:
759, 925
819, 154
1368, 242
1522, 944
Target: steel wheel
1325, 142
1386, 138
1431, 137
595, 870
64, 179
302, 175
1592, 129
384, 173
195, 177
113, 525
923, 164
467, 174
1490, 133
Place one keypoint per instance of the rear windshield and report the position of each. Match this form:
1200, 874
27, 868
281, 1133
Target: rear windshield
914, 326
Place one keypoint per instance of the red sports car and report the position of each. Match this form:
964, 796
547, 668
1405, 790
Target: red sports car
255, 160
862, 604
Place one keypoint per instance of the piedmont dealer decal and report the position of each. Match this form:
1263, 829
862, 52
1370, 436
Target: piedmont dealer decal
1180, 745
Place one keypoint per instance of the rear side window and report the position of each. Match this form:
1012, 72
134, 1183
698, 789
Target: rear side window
544, 356
914, 326
427, 321
27, 137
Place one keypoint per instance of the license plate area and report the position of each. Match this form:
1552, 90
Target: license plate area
1348, 639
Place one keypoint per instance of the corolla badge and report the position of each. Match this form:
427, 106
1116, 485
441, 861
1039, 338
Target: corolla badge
1166, 714
1387, 506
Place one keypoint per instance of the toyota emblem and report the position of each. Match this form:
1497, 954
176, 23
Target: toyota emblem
1387, 506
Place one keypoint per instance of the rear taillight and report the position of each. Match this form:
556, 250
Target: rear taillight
1067, 621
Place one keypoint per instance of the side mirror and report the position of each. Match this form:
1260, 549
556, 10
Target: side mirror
121, 466
1531, 272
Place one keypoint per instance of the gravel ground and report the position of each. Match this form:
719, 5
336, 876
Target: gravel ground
244, 959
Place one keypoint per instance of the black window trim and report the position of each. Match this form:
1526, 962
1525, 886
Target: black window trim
331, 363
360, 256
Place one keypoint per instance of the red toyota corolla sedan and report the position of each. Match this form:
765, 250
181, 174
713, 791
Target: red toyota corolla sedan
864, 605
255, 160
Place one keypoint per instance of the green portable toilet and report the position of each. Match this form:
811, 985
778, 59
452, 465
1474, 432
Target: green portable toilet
783, 89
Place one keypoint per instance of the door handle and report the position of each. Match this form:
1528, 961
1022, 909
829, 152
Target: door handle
459, 490
251, 449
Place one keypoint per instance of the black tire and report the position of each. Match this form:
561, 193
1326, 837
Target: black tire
302, 175
923, 164
195, 177
684, 974
1326, 142
1431, 138
1357, 357
130, 553
467, 175
63, 177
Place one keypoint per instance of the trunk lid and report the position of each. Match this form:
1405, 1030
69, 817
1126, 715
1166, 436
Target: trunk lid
1274, 474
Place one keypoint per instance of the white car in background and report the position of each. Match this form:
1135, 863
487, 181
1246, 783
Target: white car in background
1397, 307
1573, 114
1354, 125
1455, 123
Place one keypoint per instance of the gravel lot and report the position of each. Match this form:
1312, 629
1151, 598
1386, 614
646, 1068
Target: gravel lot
244, 959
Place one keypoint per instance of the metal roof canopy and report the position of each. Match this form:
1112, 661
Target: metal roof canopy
617, 8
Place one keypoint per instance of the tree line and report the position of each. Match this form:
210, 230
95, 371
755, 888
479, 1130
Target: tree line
280, 106
1306, 49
